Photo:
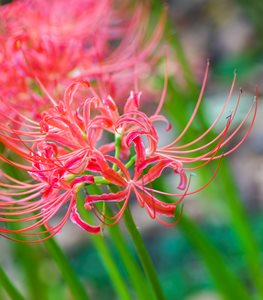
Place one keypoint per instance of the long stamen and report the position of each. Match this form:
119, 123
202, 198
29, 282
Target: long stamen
195, 109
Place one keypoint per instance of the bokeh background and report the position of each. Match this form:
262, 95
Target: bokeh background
230, 34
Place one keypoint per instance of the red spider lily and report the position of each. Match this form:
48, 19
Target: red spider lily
138, 185
38, 204
150, 164
67, 151
42, 46
132, 126
68, 123
58, 151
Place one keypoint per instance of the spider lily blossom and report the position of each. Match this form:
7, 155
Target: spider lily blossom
81, 144
41, 47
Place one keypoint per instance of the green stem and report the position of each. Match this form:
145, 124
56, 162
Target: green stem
104, 253
70, 276
117, 149
136, 237
111, 267
143, 254
30, 261
130, 162
7, 284
135, 274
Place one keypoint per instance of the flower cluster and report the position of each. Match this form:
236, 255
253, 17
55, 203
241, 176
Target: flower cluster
72, 148
43, 47
84, 155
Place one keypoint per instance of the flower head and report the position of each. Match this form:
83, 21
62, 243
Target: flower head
42, 48
80, 146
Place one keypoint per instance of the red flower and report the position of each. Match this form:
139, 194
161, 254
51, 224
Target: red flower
69, 150
136, 185
43, 47
151, 160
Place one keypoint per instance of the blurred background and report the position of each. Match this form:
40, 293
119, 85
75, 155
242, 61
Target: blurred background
230, 34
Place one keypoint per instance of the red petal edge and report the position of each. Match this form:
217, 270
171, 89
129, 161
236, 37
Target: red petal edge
76, 219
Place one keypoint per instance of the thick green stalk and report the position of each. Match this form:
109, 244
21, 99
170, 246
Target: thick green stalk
7, 284
143, 254
68, 273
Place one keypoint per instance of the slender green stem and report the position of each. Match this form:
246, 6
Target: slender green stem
100, 180
132, 268
104, 253
111, 267
30, 263
7, 284
143, 254
136, 237
117, 149
130, 162
68, 273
